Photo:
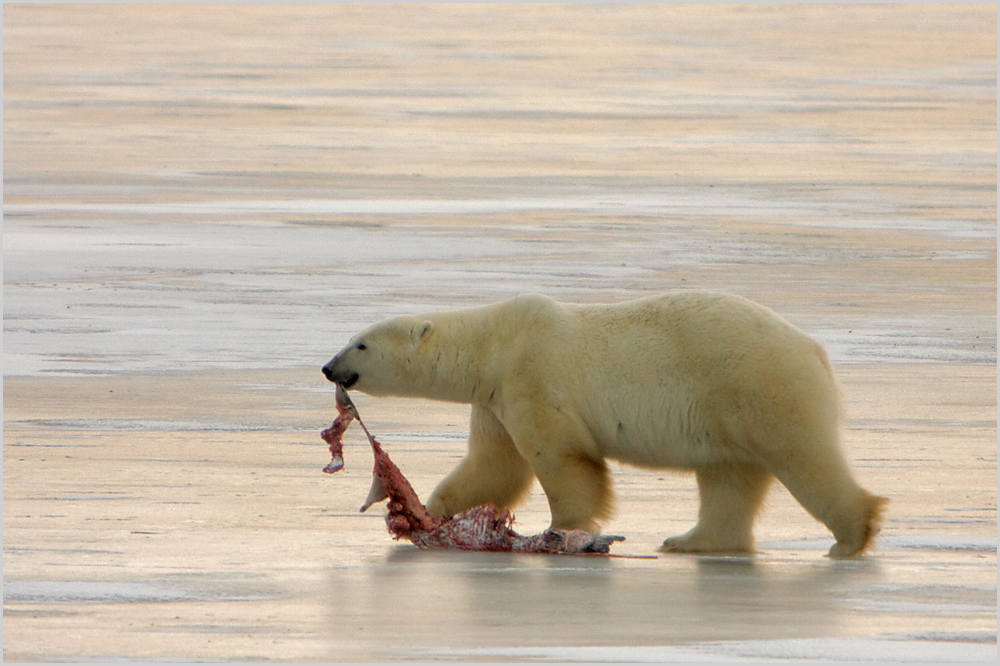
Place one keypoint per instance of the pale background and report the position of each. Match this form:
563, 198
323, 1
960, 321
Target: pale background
203, 203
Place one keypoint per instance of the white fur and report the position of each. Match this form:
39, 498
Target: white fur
697, 381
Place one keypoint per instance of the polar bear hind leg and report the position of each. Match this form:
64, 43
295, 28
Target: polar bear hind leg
491, 471
823, 484
731, 496
853, 515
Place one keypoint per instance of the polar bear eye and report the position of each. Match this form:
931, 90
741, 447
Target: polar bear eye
362, 346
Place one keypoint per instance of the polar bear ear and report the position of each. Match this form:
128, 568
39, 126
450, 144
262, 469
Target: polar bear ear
422, 330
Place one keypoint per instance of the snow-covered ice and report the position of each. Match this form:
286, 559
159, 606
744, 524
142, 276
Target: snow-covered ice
203, 203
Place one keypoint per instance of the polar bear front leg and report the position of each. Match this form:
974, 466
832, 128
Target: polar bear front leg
578, 489
731, 496
562, 454
491, 471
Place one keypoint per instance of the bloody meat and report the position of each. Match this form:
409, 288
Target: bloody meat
484, 527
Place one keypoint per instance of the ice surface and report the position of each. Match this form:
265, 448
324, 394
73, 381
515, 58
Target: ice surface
882, 649
115, 296
103, 592
203, 203
775, 606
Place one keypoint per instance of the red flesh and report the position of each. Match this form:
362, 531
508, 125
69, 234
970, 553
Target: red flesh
334, 436
484, 527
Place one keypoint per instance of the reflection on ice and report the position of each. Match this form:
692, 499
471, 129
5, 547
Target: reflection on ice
794, 606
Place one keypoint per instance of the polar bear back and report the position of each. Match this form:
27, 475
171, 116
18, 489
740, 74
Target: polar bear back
692, 378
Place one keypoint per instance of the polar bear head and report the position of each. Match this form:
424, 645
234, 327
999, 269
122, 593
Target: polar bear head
384, 358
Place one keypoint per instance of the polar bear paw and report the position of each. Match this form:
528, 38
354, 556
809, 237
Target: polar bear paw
699, 542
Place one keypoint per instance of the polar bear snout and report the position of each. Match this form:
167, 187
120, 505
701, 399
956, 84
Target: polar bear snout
338, 374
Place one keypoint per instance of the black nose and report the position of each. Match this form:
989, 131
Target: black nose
328, 372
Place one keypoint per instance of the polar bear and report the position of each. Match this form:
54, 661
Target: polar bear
711, 383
